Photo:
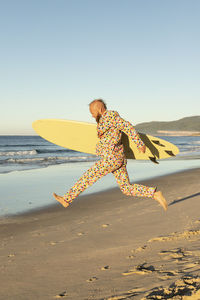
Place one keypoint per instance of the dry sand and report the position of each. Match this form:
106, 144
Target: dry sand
107, 246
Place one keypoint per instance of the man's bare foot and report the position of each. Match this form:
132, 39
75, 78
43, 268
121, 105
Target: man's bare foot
61, 200
158, 196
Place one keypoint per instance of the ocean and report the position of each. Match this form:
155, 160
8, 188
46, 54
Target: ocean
19, 153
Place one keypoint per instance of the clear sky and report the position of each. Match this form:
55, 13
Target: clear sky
142, 57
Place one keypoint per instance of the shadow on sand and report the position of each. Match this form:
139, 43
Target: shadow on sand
185, 198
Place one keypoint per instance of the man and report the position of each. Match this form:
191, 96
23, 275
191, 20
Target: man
112, 158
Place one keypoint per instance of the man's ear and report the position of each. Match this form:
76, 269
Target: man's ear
102, 109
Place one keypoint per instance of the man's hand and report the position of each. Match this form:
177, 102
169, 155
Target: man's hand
142, 149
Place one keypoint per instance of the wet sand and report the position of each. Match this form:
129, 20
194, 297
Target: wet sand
107, 246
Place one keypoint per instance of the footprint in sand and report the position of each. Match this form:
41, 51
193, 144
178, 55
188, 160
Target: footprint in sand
11, 258
130, 257
92, 279
178, 254
105, 225
140, 270
53, 243
80, 233
134, 251
61, 295
164, 275
36, 234
139, 249
145, 269
105, 268
11, 255
81, 222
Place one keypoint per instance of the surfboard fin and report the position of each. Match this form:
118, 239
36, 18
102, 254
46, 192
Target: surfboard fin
158, 143
153, 159
170, 153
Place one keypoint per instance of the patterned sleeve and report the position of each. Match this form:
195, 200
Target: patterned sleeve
127, 128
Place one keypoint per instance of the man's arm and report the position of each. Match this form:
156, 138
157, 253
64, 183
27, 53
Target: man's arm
129, 129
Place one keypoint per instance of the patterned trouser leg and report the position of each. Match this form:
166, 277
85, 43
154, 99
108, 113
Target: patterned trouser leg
139, 190
98, 170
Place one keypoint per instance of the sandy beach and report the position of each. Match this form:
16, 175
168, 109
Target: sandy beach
107, 246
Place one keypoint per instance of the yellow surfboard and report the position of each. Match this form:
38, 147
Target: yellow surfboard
81, 136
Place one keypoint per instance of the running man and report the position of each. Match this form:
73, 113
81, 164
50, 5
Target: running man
112, 158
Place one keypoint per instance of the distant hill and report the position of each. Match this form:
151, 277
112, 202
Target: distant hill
185, 124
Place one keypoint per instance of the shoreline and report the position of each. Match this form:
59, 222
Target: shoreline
54, 206
106, 246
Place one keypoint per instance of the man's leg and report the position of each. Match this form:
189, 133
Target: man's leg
98, 170
128, 189
138, 190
